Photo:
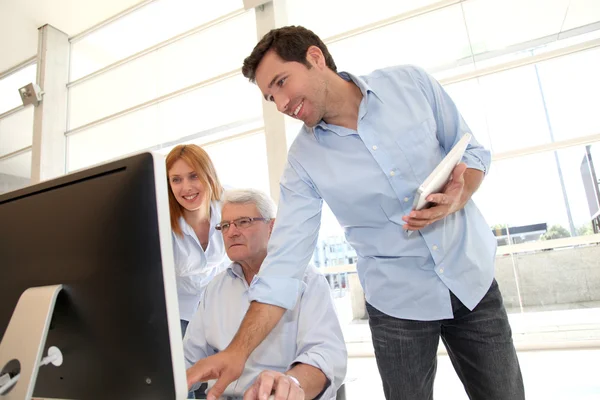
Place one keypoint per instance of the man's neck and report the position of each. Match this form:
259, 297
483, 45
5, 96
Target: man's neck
251, 267
342, 102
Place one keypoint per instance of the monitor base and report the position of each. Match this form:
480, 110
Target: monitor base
25, 337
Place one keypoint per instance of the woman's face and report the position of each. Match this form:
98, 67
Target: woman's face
186, 186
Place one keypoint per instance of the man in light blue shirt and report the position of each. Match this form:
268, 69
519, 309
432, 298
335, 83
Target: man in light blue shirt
366, 145
305, 354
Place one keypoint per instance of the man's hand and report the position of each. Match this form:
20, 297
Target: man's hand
228, 365
453, 198
224, 366
280, 384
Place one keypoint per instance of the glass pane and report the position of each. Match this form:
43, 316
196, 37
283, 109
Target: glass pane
430, 40
113, 139
302, 12
445, 71
230, 101
543, 197
9, 87
572, 103
202, 110
219, 49
242, 162
16, 131
487, 21
213, 136
580, 167
154, 23
559, 279
523, 191
164, 71
514, 109
15, 172
517, 107
581, 12
124, 87
469, 100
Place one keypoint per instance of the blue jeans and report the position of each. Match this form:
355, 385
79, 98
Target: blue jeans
479, 344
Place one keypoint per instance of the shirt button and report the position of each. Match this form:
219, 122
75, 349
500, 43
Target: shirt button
374, 147
406, 199
441, 270
434, 247
392, 173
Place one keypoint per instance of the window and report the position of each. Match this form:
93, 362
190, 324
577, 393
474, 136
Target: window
487, 21
156, 22
241, 162
16, 131
507, 106
525, 191
355, 13
15, 172
532, 105
571, 103
9, 87
166, 70
202, 110
442, 40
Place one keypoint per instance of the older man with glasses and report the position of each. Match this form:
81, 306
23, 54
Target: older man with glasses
305, 355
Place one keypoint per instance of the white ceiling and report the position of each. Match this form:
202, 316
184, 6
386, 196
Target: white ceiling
20, 19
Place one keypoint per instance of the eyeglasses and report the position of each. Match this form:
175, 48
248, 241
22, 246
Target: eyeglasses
240, 223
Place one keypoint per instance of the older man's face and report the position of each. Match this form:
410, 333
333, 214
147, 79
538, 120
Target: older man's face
245, 244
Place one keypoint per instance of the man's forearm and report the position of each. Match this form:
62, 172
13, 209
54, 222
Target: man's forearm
312, 379
473, 178
259, 321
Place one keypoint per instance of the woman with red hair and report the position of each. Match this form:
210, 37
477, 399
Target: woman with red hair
194, 201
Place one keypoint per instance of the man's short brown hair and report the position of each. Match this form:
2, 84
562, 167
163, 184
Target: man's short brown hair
291, 44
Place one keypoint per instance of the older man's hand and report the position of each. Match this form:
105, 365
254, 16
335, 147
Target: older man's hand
281, 385
224, 366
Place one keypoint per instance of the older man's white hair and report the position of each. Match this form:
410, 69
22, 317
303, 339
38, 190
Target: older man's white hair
265, 205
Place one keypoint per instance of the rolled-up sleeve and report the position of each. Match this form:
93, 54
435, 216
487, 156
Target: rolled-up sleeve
292, 242
450, 124
320, 341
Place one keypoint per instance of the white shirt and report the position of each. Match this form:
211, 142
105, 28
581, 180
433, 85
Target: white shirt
310, 333
195, 267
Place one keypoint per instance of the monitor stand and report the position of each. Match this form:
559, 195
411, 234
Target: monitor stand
25, 337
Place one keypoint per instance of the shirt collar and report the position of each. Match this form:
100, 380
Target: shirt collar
235, 270
364, 87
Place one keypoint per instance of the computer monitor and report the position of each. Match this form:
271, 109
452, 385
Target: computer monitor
103, 234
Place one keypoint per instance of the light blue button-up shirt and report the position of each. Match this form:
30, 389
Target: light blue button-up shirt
194, 266
406, 124
310, 333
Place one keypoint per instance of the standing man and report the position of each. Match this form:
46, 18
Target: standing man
366, 145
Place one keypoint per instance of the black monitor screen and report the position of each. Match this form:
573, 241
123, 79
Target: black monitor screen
97, 233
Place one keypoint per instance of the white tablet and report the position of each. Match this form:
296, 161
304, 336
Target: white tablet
442, 173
